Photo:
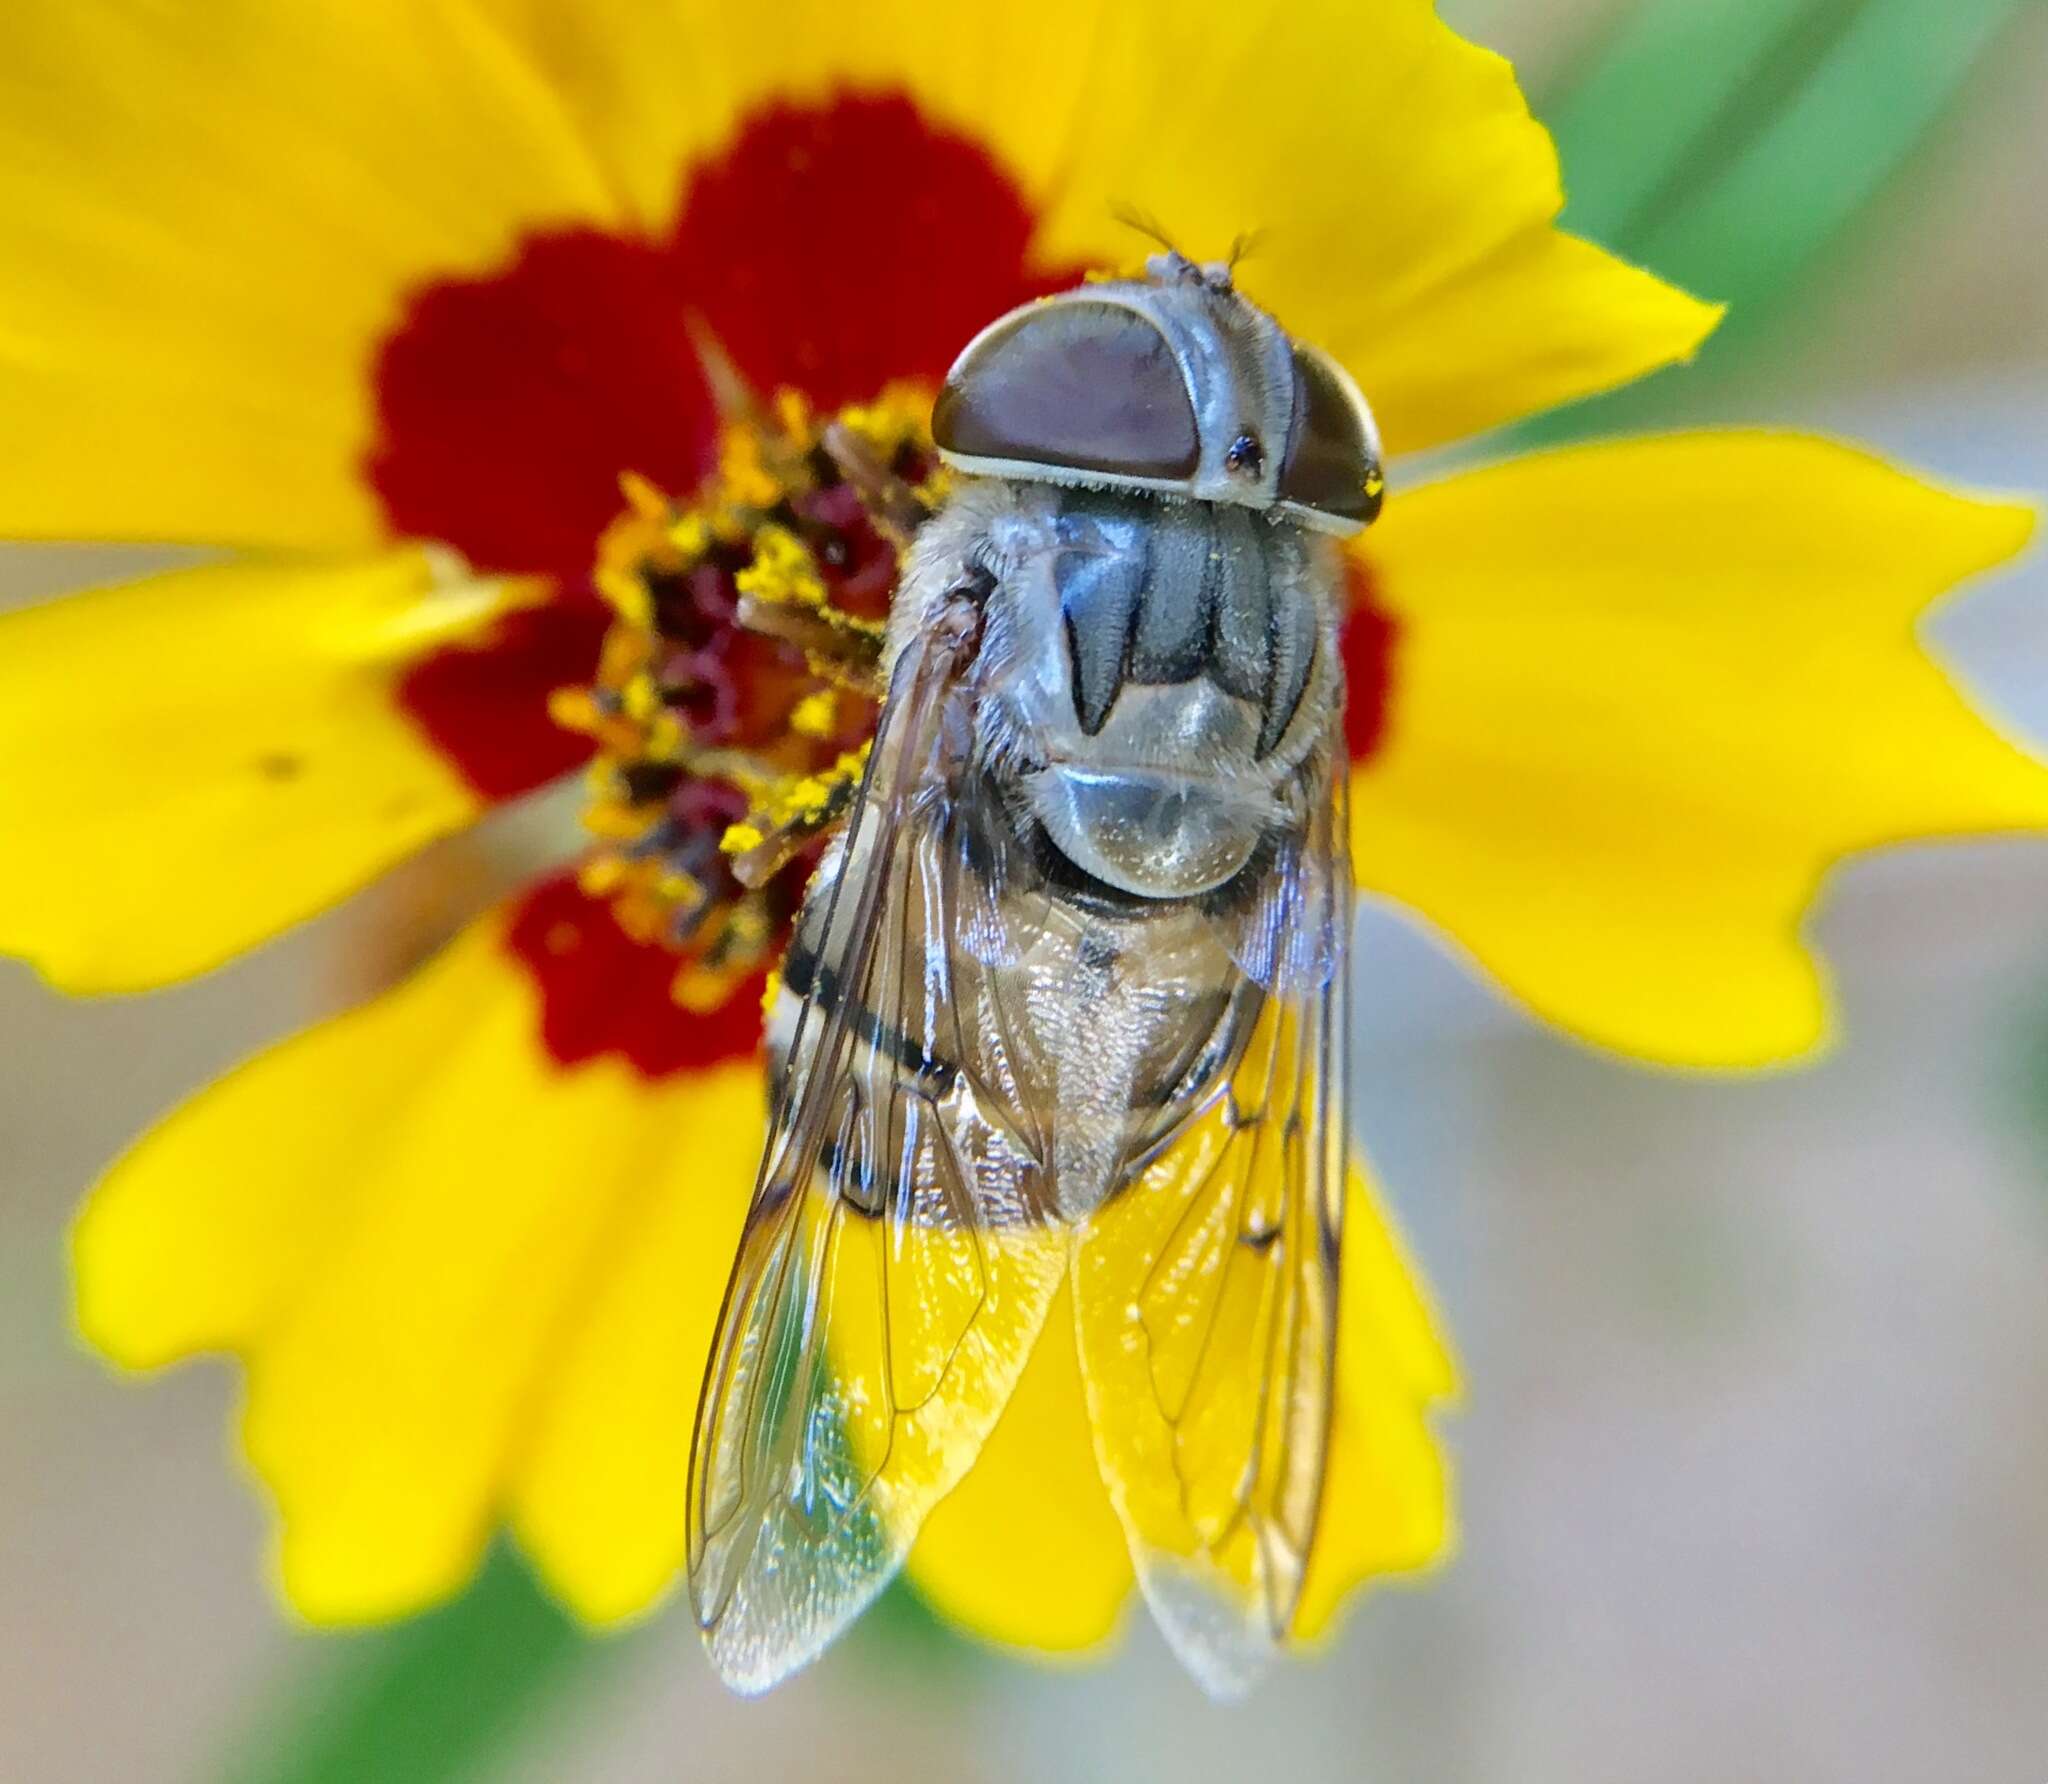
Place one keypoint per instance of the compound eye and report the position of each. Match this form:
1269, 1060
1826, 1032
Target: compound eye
1076, 385
1332, 462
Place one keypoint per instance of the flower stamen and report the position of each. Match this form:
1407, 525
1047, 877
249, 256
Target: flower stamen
736, 690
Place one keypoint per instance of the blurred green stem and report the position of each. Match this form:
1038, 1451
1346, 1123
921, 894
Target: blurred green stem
1726, 144
427, 1702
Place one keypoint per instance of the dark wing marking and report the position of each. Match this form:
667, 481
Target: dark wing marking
1206, 1300
893, 1273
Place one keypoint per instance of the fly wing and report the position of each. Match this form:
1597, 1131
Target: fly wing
1206, 1296
895, 1266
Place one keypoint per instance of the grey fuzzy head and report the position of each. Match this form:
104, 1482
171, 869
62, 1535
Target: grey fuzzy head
1173, 383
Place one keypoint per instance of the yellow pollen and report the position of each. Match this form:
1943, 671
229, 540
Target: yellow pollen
664, 741
601, 874
701, 990
626, 595
793, 413
815, 715
573, 709
642, 698
744, 470
897, 416
699, 714
783, 570
691, 535
615, 822
644, 498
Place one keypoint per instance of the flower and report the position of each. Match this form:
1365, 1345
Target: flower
383, 298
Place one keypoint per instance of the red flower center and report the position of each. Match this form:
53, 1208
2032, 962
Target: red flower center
602, 992
832, 248
1369, 640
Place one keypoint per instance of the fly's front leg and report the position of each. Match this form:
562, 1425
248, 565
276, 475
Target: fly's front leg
794, 811
894, 506
840, 648
800, 811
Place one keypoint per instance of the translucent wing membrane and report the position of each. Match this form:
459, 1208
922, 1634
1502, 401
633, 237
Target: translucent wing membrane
984, 1080
897, 1262
1206, 1300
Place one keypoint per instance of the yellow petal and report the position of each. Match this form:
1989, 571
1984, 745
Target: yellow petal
399, 1220
1643, 695
192, 762
600, 1493
1026, 1550
661, 87
210, 215
1386, 1502
199, 1238
1402, 194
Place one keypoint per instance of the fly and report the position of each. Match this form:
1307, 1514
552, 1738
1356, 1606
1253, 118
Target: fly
1066, 1001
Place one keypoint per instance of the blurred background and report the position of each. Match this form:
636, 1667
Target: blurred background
1753, 1458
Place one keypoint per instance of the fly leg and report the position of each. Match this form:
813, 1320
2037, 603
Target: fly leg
791, 812
840, 648
896, 509
798, 813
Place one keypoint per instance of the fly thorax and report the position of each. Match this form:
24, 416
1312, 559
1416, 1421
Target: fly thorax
1171, 664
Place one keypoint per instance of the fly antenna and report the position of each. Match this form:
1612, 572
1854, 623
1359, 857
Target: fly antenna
1147, 225
732, 397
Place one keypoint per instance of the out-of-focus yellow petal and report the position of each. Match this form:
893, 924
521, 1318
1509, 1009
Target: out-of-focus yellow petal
209, 215
601, 1491
200, 1237
1402, 195
192, 762
400, 1220
1026, 1550
1386, 1501
1643, 695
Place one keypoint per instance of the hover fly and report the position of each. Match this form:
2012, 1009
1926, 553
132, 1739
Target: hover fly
1066, 998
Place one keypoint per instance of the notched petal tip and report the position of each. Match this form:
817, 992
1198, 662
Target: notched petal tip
109, 1304
2004, 526
1698, 659
1708, 315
